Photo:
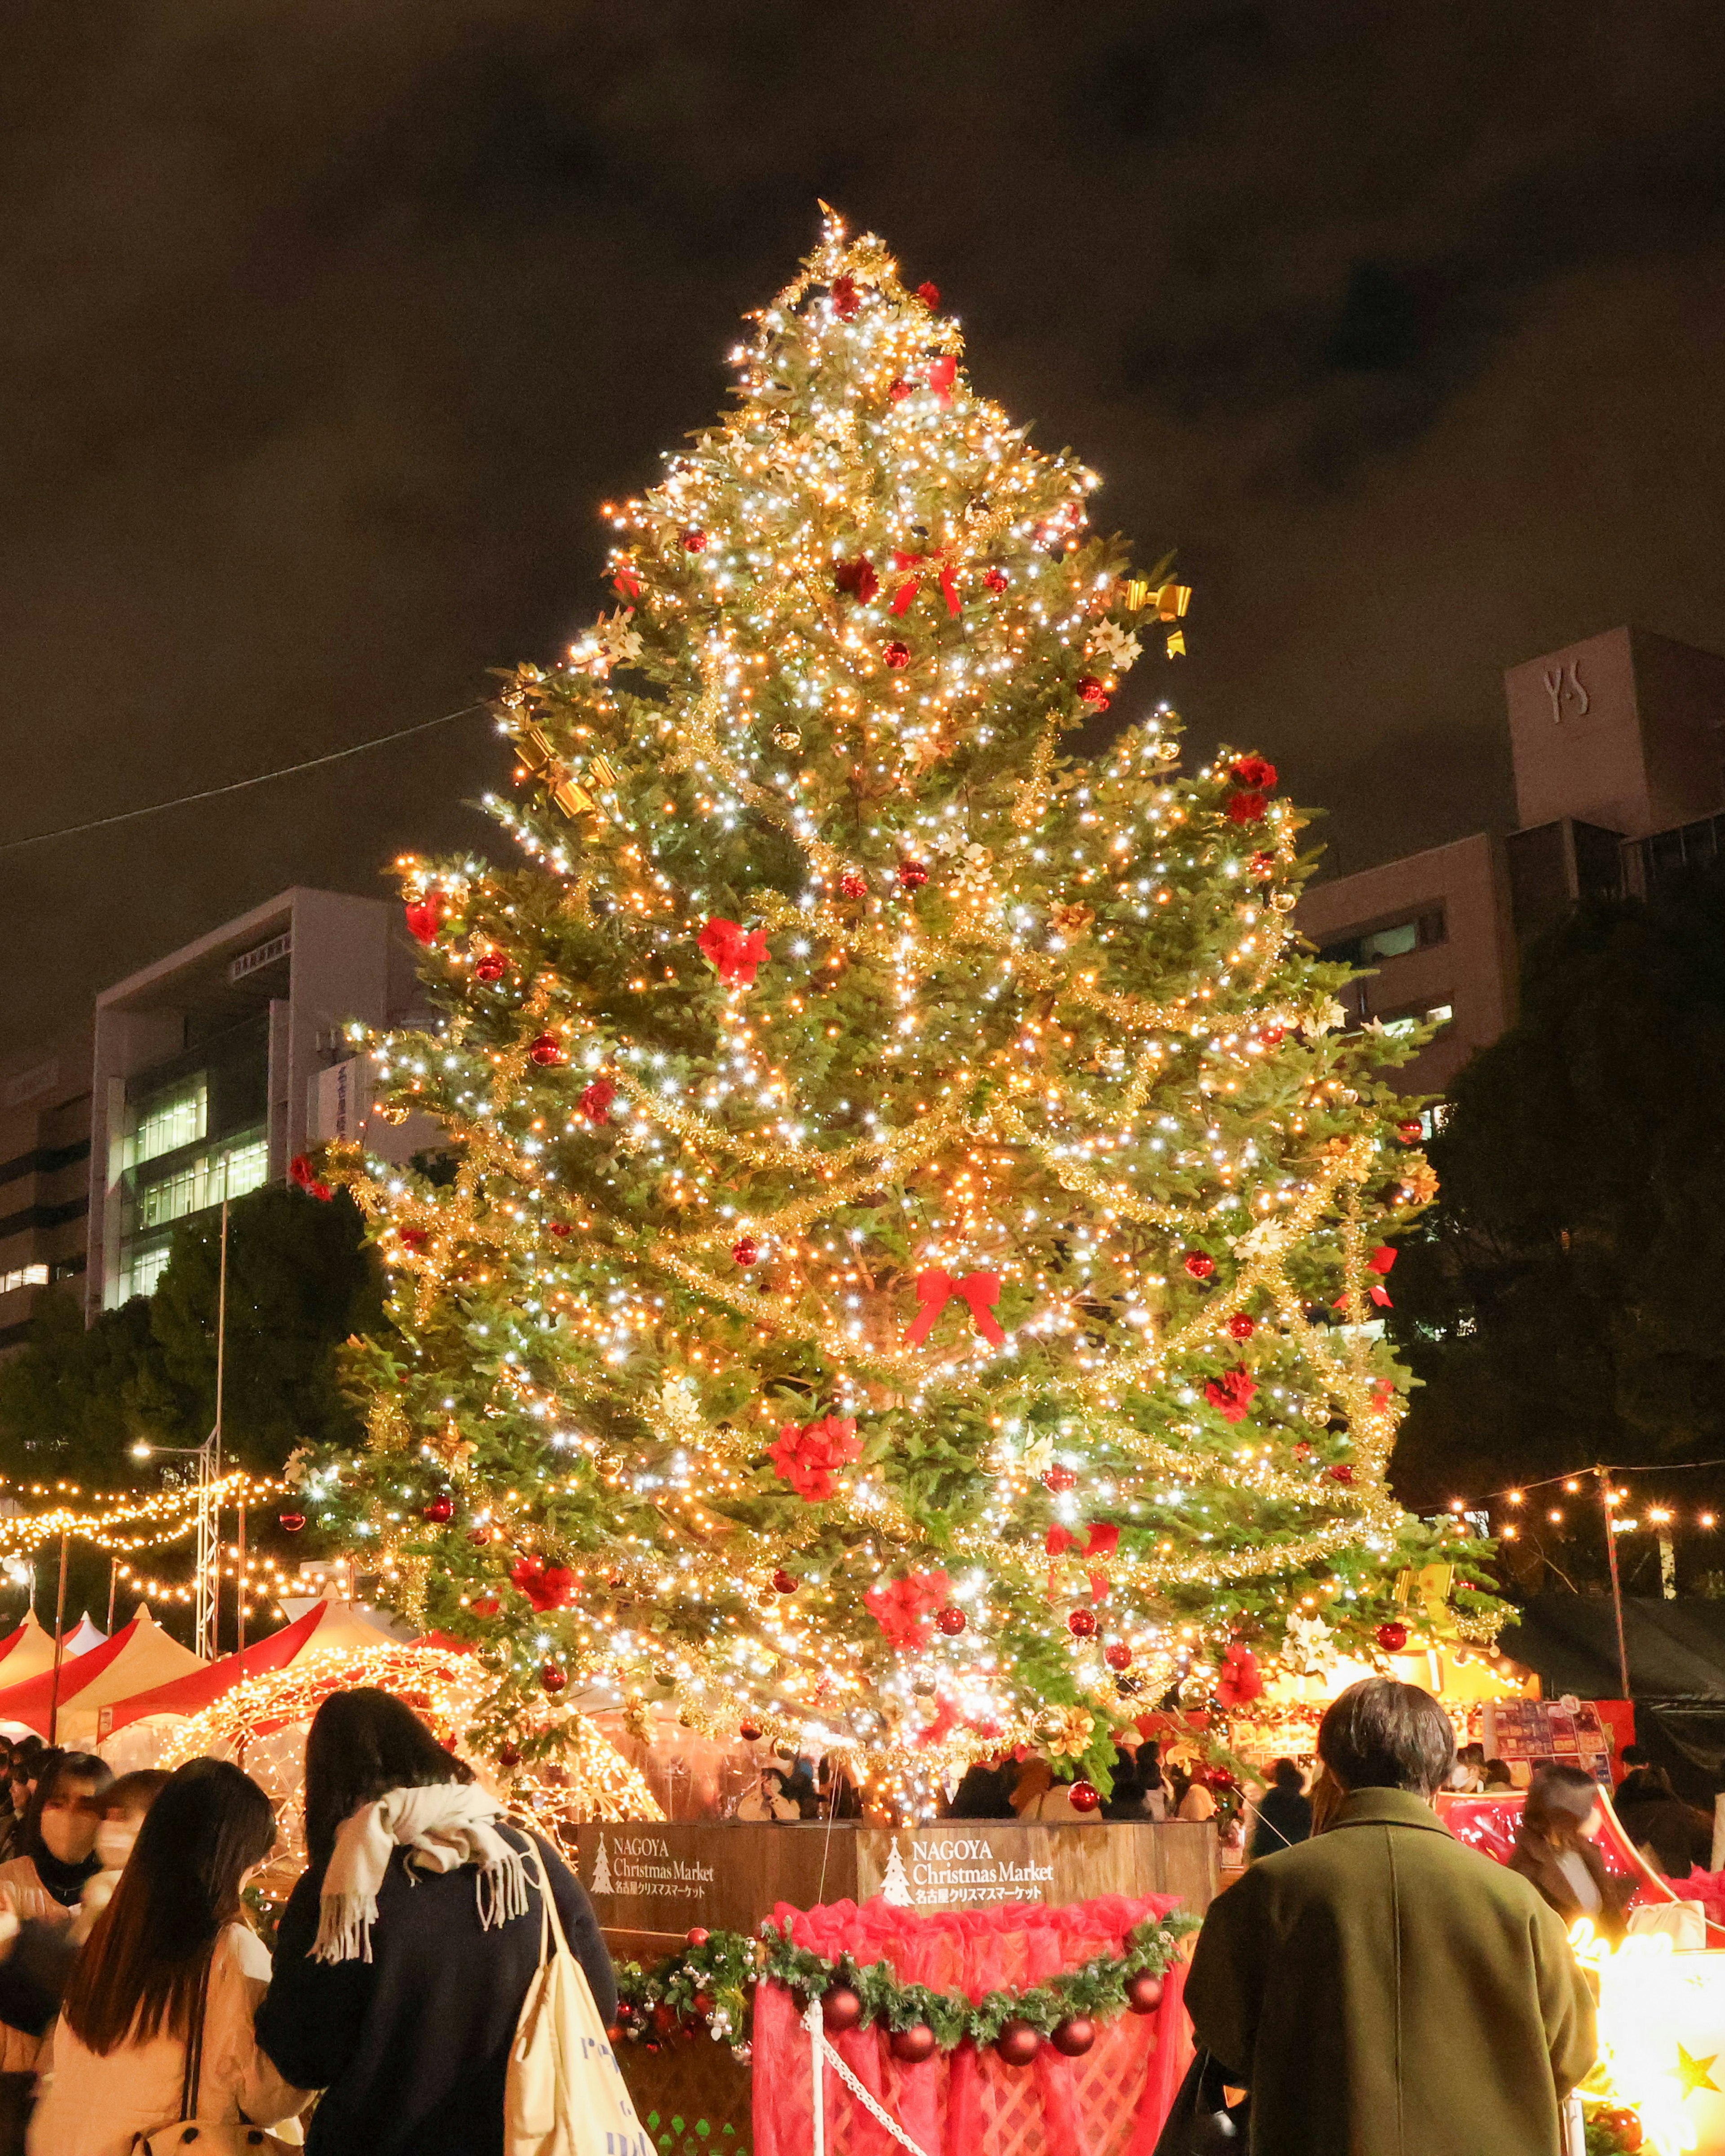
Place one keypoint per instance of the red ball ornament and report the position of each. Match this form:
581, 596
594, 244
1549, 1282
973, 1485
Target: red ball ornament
1081, 1623
898, 389
1240, 1327
896, 655
1073, 2037
1393, 1637
1262, 864
912, 2045
694, 540
1058, 1478
951, 1622
1201, 1266
441, 1510
746, 1251
485, 1605
750, 1732
290, 1522
929, 294
853, 886
1091, 692
1340, 1472
552, 1677
1272, 1035
1143, 1992
546, 1049
489, 966
697, 1935
911, 875
840, 2008
479, 1537
1084, 1796
509, 1755
560, 1229
995, 581
1119, 1657
786, 1581
1018, 2043
1411, 1131
846, 299
415, 1239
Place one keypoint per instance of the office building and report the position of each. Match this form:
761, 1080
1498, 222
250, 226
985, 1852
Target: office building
1619, 781
218, 1065
45, 1176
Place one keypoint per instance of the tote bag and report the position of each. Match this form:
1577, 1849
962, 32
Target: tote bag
564, 2094
208, 2137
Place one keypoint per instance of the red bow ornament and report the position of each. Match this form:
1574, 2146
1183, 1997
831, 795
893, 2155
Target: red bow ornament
905, 1609
1380, 1261
1101, 1539
935, 1289
548, 1587
904, 597
941, 375
595, 1100
735, 955
807, 1457
301, 1171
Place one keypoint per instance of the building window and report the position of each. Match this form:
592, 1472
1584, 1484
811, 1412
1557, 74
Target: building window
23, 1276
141, 1272
1418, 932
228, 1171
1400, 1024
178, 1115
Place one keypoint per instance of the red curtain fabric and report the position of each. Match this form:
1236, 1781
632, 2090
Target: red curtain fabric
1109, 2103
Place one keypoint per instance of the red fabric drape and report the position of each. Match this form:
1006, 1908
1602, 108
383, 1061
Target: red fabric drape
1111, 2102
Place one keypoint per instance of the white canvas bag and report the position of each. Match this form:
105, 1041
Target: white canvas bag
564, 2094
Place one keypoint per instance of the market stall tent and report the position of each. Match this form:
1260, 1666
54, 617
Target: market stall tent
139, 1656
84, 1636
25, 1652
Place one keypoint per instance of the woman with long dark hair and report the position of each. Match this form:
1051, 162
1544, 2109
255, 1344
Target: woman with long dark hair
406, 1951
170, 1963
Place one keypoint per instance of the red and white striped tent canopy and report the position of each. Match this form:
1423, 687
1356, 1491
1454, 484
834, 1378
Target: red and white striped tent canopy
140, 1656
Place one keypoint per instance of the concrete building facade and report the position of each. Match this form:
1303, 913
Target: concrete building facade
1619, 780
45, 1176
210, 1068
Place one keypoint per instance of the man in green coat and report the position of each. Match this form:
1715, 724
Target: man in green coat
1381, 1990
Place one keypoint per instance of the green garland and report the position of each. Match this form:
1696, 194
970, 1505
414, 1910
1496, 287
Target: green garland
713, 1983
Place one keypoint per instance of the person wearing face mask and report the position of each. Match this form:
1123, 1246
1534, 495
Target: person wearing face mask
123, 1809
20, 1779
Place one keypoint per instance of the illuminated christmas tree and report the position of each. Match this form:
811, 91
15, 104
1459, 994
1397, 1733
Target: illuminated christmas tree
901, 1277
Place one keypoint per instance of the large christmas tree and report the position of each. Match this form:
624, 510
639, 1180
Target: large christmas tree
901, 1277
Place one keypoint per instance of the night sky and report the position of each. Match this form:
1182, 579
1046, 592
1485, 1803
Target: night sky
326, 326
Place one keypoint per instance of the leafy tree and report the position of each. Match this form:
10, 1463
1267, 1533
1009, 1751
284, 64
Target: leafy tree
896, 1166
75, 1398
1560, 1304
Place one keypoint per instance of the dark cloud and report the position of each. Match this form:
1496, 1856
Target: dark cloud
323, 329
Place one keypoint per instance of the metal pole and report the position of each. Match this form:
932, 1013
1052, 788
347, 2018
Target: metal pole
1616, 1583
112, 1582
240, 1553
60, 1642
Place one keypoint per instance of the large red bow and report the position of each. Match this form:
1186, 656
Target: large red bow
935, 1289
734, 955
1102, 1539
904, 597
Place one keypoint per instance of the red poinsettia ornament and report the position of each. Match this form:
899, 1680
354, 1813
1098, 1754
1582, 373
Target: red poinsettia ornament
808, 1458
548, 1587
734, 957
1231, 1394
905, 1609
1239, 1679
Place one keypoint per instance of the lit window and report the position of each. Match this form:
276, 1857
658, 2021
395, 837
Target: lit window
142, 1271
23, 1276
178, 1115
227, 1172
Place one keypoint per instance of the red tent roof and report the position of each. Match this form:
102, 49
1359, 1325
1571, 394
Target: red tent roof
325, 1624
29, 1701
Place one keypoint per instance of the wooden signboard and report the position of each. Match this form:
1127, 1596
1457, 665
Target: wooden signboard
651, 1884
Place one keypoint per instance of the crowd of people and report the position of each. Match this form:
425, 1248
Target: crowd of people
136, 1993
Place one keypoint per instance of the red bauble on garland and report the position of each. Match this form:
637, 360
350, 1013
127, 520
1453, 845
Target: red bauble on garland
414, 1239
694, 540
950, 1621
746, 1251
995, 580
1081, 1623
697, 1935
912, 2045
896, 655
840, 2008
290, 1522
846, 299
1058, 1478
552, 1677
1393, 1637
1200, 1265
929, 294
1091, 691
785, 1582
856, 579
853, 886
489, 966
1073, 2037
425, 916
1240, 1327
1084, 1796
1411, 1131
1119, 1657
441, 1510
1018, 2043
911, 875
546, 1050
560, 1229
1143, 1992
1340, 1472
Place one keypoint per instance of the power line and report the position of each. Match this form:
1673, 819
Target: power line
236, 785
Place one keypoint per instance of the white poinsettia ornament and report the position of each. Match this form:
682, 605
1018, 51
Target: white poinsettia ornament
1311, 1648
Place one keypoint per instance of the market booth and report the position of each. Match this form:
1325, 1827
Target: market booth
140, 1655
